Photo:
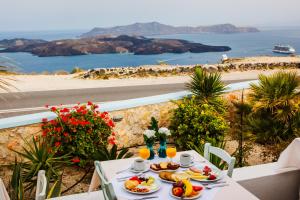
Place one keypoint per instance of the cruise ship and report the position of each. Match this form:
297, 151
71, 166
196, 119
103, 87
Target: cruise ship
285, 49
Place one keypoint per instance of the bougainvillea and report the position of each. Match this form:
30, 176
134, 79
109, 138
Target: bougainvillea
79, 131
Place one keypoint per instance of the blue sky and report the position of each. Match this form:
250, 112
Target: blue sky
33, 15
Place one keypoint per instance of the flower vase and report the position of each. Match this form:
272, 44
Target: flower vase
150, 147
162, 148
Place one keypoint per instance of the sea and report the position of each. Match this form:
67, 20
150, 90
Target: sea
242, 44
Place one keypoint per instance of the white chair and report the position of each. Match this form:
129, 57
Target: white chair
107, 188
41, 186
208, 149
3, 192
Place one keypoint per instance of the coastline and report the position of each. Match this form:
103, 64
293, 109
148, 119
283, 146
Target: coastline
26, 83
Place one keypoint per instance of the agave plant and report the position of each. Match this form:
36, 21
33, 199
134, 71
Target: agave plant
207, 87
40, 156
112, 154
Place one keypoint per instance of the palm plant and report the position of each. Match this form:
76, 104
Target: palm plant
207, 87
275, 103
112, 154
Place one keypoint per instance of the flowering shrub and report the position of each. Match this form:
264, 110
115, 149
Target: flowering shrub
195, 123
79, 131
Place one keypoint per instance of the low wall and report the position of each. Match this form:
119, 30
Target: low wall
129, 130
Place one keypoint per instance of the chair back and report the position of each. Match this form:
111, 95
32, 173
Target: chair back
208, 149
3, 192
107, 188
41, 186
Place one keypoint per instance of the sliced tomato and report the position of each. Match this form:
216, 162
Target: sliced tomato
197, 188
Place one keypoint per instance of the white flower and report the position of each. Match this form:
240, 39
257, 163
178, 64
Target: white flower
164, 130
149, 133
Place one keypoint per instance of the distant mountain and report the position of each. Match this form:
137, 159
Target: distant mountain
155, 28
103, 44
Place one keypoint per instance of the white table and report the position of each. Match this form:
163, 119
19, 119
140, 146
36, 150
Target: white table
231, 192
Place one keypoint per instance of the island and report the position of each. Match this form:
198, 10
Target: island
155, 28
137, 45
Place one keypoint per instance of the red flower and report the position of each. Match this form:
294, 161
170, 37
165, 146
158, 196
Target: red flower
44, 120
112, 140
53, 109
47, 106
113, 133
90, 103
96, 106
58, 129
45, 132
75, 160
111, 123
66, 134
57, 144
64, 110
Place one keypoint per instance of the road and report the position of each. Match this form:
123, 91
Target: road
19, 103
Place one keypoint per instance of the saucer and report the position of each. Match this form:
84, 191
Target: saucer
187, 166
139, 171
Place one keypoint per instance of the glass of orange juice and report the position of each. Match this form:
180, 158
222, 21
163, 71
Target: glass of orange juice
144, 153
171, 152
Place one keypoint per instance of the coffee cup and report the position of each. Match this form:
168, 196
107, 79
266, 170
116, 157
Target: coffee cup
186, 159
139, 164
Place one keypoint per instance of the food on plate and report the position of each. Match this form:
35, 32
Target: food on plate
185, 188
172, 176
141, 184
164, 166
206, 173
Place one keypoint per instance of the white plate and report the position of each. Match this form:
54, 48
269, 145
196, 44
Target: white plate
135, 171
187, 166
215, 170
158, 183
166, 170
187, 198
166, 181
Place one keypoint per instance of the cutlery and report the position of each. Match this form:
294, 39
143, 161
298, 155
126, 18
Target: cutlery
143, 198
216, 185
126, 177
121, 171
213, 183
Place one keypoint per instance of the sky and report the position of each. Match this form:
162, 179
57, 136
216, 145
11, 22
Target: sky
35, 15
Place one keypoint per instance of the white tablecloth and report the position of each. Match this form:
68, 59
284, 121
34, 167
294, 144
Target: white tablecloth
163, 193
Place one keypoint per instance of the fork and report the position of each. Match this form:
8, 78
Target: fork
143, 198
216, 185
125, 177
121, 171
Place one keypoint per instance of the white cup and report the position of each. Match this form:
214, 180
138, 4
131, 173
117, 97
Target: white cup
139, 164
186, 159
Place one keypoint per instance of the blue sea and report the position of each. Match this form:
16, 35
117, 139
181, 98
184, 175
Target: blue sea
242, 44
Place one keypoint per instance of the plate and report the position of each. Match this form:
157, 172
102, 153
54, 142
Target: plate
215, 170
157, 183
187, 166
164, 170
187, 198
135, 171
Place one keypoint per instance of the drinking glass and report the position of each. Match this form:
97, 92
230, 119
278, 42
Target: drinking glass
171, 152
144, 153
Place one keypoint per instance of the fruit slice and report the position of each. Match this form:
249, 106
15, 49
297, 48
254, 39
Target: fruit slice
188, 188
195, 169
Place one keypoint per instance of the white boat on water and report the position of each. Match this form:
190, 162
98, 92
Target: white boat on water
285, 49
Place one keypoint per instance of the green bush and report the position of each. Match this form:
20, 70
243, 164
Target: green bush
76, 70
196, 123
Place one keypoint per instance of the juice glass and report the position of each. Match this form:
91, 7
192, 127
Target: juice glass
144, 153
171, 152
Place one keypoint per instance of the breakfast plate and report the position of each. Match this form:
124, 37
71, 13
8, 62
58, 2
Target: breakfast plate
164, 166
185, 190
204, 173
172, 177
142, 185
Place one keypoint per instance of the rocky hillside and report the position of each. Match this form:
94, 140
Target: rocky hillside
155, 28
101, 45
